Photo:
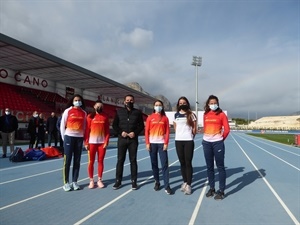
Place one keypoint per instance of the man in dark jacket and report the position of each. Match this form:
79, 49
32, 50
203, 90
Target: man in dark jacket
51, 129
8, 128
41, 131
128, 124
32, 128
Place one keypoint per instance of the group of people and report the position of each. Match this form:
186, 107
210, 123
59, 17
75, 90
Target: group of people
38, 128
76, 129
92, 131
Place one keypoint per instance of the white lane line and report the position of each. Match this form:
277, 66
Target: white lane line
200, 199
59, 188
40, 174
51, 171
272, 154
47, 192
119, 197
31, 164
296, 222
27, 199
35, 175
108, 204
196, 210
112, 201
266, 143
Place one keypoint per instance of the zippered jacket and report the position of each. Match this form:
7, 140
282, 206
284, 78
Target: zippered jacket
128, 121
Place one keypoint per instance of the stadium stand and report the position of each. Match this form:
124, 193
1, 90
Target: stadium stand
25, 99
28, 100
277, 123
34, 80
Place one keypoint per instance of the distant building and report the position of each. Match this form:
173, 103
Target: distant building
170, 115
276, 123
232, 124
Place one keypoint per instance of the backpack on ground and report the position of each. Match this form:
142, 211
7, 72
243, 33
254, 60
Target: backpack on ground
34, 154
17, 155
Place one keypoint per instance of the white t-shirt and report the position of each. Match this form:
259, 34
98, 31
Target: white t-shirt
183, 131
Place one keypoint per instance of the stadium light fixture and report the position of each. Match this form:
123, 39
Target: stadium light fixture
197, 61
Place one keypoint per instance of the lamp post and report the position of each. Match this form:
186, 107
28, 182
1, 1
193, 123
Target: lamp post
197, 61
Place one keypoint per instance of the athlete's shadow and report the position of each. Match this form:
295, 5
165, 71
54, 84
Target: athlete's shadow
245, 180
232, 171
199, 177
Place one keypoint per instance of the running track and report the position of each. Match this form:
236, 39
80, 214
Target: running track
263, 187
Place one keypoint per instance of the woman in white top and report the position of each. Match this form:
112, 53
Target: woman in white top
185, 125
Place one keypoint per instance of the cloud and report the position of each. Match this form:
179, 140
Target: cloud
138, 38
250, 50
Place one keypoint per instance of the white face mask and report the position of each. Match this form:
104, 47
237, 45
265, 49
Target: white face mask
35, 115
157, 108
7, 113
213, 107
77, 103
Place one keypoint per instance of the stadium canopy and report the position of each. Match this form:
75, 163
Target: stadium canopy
21, 57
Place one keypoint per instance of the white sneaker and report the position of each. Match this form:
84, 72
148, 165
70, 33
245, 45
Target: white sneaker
91, 185
183, 186
100, 184
67, 187
188, 190
75, 186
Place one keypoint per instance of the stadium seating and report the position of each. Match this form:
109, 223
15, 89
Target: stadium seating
277, 122
27, 99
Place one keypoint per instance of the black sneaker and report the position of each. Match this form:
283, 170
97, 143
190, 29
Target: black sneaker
168, 190
211, 192
156, 186
4, 156
220, 195
117, 185
134, 185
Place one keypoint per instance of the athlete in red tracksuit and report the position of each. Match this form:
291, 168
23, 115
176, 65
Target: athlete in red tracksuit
157, 134
72, 129
96, 141
216, 130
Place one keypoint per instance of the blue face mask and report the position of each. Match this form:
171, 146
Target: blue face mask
213, 107
157, 108
77, 103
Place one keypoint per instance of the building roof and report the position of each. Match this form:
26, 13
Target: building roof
21, 57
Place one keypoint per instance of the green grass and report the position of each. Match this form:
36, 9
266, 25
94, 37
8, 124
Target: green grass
281, 138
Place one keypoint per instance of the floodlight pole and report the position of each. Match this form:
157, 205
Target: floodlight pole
197, 61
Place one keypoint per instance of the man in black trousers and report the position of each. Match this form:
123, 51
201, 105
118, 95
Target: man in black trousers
8, 127
128, 124
32, 128
51, 129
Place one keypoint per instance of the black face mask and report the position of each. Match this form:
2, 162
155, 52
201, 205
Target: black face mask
98, 110
183, 107
129, 105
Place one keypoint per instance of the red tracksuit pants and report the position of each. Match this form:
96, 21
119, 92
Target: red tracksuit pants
93, 149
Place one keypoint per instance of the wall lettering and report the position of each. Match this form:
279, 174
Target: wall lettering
33, 81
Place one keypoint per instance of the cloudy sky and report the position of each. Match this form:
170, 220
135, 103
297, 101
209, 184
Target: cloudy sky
249, 48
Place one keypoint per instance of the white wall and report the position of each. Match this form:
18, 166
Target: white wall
170, 115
